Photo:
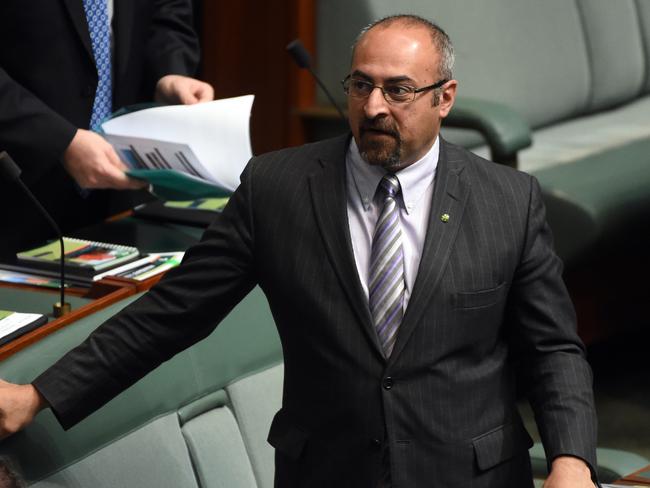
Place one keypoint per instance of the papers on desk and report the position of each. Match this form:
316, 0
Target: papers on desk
19, 278
15, 324
186, 151
146, 267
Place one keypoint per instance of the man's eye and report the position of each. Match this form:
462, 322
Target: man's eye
361, 86
398, 90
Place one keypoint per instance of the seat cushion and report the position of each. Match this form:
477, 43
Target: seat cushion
153, 456
583, 137
599, 197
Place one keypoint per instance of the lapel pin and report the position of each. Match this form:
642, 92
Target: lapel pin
444, 218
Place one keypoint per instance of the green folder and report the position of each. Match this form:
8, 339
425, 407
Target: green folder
174, 185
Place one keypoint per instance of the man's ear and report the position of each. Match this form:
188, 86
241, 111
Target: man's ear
447, 98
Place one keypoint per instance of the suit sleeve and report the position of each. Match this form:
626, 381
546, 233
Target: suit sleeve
30, 131
184, 307
172, 46
551, 357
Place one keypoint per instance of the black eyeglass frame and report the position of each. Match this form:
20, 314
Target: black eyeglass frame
346, 89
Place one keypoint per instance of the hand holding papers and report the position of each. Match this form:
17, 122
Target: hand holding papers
186, 151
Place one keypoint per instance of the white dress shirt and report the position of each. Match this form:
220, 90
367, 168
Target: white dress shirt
416, 182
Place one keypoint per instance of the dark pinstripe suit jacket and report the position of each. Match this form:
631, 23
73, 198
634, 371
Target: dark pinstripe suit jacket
488, 311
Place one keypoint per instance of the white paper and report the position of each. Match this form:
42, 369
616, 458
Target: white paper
217, 133
15, 321
141, 153
149, 258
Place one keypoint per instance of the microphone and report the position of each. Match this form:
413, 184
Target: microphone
10, 171
302, 58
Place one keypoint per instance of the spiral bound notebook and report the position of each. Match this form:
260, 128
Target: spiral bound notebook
82, 259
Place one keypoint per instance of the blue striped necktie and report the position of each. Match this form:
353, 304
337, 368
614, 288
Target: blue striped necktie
100, 38
386, 280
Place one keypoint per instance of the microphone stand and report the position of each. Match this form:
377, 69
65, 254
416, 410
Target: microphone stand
302, 58
11, 170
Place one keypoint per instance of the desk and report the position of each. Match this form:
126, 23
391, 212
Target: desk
36, 300
146, 235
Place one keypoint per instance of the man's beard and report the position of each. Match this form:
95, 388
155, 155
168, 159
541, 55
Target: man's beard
384, 151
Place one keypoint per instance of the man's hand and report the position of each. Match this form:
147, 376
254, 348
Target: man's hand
182, 89
569, 472
93, 163
19, 404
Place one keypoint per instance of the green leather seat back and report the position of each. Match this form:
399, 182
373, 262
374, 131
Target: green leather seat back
527, 54
616, 51
217, 450
255, 400
643, 9
154, 456
246, 342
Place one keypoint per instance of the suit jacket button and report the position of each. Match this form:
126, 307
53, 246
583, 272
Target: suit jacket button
376, 444
387, 383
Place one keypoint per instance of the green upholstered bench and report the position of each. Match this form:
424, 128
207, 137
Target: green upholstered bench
572, 77
199, 420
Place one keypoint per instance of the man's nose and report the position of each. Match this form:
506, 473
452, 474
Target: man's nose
376, 104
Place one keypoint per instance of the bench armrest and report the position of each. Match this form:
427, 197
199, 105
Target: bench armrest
505, 131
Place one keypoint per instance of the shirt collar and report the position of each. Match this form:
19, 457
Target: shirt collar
413, 180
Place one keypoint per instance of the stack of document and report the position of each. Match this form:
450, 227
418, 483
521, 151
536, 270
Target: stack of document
185, 151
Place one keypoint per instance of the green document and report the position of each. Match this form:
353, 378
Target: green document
174, 185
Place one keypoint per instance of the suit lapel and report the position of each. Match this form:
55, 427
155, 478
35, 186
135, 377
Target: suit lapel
329, 198
449, 197
78, 16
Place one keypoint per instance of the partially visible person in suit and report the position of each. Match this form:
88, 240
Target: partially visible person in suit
412, 284
64, 67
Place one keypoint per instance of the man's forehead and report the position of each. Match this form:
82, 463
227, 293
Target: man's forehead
395, 50
396, 32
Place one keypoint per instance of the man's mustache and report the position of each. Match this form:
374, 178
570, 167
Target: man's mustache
379, 125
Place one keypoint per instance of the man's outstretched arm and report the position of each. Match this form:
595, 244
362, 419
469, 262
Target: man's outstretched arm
183, 308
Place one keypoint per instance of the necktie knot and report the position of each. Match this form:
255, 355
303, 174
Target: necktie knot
389, 186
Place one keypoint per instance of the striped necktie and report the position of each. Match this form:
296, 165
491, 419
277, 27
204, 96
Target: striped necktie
386, 280
99, 29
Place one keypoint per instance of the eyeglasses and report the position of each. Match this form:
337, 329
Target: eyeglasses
393, 92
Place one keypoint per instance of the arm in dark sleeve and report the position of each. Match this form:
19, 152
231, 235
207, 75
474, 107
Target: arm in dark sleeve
550, 355
183, 308
172, 46
30, 131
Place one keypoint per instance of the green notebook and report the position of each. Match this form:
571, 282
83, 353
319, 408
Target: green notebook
83, 259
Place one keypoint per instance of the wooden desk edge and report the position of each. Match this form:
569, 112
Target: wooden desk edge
633, 480
121, 290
